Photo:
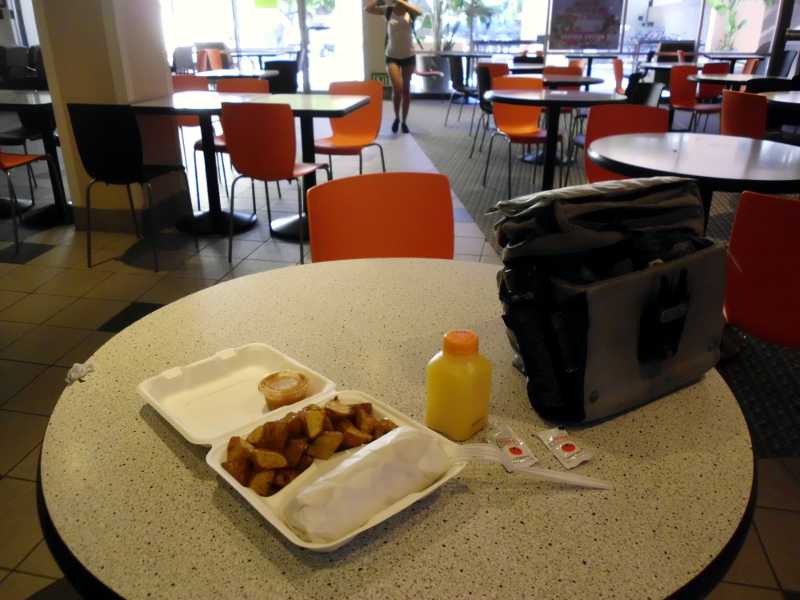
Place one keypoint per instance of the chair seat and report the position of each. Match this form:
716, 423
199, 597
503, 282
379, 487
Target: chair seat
342, 144
527, 136
150, 172
17, 135
699, 107
303, 169
11, 161
219, 144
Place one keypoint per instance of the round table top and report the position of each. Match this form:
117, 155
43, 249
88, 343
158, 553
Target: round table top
521, 68
785, 98
725, 78
663, 66
581, 55
553, 97
237, 74
140, 509
723, 162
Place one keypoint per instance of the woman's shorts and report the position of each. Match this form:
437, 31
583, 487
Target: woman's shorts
402, 62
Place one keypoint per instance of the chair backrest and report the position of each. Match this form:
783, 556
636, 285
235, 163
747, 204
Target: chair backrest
486, 72
189, 83
511, 116
616, 64
667, 50
243, 85
109, 142
530, 60
456, 72
182, 59
707, 91
743, 114
210, 59
681, 90
286, 80
762, 290
366, 121
617, 119
789, 57
381, 215
750, 66
645, 93
768, 84
571, 70
260, 139
577, 63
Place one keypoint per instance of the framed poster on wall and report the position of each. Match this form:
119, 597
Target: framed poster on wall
585, 24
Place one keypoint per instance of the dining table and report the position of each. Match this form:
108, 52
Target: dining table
261, 53
789, 100
236, 73
130, 508
719, 163
553, 101
206, 105
733, 81
734, 57
37, 108
526, 68
590, 57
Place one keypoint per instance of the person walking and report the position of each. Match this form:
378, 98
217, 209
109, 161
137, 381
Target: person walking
400, 58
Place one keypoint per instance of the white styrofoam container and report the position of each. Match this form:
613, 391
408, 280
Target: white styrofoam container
272, 507
211, 400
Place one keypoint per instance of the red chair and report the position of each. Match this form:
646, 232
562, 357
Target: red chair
261, 142
683, 95
9, 162
617, 64
516, 123
750, 66
486, 72
762, 289
712, 91
381, 215
210, 59
743, 114
617, 119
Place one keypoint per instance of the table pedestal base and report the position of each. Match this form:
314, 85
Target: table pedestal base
288, 228
23, 205
204, 224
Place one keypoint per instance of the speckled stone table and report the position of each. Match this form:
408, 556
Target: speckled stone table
139, 508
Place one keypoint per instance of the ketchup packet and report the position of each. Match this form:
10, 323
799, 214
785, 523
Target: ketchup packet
513, 446
564, 448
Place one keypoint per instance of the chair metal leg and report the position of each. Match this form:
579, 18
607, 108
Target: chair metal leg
449, 104
89, 223
485, 131
510, 160
360, 162
133, 210
12, 197
153, 223
330, 163
269, 208
472, 118
230, 221
488, 158
253, 193
383, 159
197, 181
464, 100
221, 161
301, 201
278, 185
475, 137
31, 178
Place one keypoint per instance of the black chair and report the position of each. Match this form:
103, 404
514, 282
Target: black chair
646, 93
484, 85
777, 117
110, 146
528, 60
183, 60
286, 80
459, 88
787, 61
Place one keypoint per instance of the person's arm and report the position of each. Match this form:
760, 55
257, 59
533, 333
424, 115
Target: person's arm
373, 8
413, 10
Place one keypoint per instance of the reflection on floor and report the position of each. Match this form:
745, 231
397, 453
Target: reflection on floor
55, 312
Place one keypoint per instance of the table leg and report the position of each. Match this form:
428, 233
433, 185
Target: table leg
589, 60
706, 194
286, 228
215, 220
553, 115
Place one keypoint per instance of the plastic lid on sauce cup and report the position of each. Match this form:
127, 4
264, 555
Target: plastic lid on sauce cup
460, 341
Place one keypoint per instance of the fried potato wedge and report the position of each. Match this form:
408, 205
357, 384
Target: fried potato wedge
239, 449
261, 482
326, 444
365, 421
267, 459
295, 449
240, 469
383, 426
314, 422
352, 437
336, 409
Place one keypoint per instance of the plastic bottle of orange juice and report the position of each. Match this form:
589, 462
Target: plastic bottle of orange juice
458, 385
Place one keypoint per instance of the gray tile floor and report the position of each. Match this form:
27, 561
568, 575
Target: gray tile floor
52, 307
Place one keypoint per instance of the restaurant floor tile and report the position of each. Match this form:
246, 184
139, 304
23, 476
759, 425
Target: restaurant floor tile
28, 468
731, 591
277, 250
35, 308
780, 531
89, 313
74, 282
751, 565
777, 487
123, 286
250, 266
21, 531
40, 562
27, 278
128, 315
10, 331
40, 396
19, 434
16, 376
28, 251
85, 348
205, 267
171, 288
19, 586
8, 298
44, 344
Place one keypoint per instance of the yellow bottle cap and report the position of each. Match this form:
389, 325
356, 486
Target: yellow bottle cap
460, 341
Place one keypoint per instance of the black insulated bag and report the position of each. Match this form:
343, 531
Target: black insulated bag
611, 294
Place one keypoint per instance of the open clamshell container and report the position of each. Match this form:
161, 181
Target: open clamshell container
214, 399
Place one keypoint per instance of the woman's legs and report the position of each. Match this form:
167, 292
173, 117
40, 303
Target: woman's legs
396, 77
408, 71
